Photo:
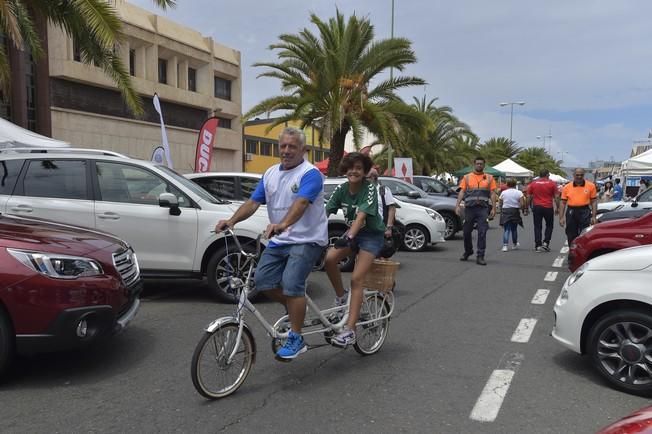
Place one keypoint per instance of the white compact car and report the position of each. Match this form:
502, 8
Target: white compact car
605, 310
166, 218
423, 226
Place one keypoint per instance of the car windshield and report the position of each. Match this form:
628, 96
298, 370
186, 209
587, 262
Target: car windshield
401, 188
191, 185
646, 196
432, 185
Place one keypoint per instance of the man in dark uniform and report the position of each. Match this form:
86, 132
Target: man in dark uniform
478, 190
579, 205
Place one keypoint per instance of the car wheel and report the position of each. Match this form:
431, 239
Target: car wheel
451, 224
7, 342
620, 347
347, 263
222, 266
416, 238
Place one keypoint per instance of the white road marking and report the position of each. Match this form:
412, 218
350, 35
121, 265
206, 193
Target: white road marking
540, 296
558, 262
491, 399
524, 330
551, 276
564, 250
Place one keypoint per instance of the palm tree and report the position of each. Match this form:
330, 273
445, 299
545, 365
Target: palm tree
537, 159
498, 149
93, 24
327, 78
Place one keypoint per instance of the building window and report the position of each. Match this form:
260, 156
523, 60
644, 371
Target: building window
192, 79
162, 71
132, 62
224, 123
266, 148
30, 80
222, 88
251, 147
277, 152
319, 155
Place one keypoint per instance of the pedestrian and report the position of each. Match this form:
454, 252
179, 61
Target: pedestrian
578, 205
478, 190
618, 191
642, 186
543, 199
298, 232
511, 202
608, 193
358, 199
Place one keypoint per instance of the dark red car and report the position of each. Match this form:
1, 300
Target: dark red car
638, 422
61, 286
610, 236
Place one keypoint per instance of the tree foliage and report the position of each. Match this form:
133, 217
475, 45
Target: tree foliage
333, 81
537, 159
93, 24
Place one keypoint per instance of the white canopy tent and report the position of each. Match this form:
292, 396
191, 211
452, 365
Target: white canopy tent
640, 165
13, 136
558, 179
513, 169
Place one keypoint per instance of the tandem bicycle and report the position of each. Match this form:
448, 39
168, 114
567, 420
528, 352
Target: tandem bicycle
226, 352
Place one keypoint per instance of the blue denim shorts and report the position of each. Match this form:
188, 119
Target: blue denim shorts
287, 267
371, 242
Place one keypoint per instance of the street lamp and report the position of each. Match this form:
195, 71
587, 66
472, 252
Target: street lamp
391, 76
562, 155
549, 136
511, 114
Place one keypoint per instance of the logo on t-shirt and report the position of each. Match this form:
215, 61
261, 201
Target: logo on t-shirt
294, 188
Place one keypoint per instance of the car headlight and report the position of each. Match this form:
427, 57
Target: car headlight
577, 275
57, 266
435, 215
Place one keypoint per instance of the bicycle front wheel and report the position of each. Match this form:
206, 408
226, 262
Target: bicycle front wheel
371, 337
213, 375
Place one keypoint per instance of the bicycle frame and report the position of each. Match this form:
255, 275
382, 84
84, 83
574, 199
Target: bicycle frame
321, 315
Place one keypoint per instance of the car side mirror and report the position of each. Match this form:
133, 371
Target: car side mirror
168, 200
634, 203
413, 195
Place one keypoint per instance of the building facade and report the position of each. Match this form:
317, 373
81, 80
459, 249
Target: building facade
261, 146
194, 77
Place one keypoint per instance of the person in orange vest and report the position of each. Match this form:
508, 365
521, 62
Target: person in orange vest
579, 205
478, 190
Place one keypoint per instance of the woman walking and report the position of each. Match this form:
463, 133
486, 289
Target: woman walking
608, 193
511, 202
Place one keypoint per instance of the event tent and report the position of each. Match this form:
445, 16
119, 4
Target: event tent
487, 169
640, 165
558, 179
513, 169
13, 136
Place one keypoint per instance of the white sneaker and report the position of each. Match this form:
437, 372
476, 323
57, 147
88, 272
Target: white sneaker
516, 246
504, 249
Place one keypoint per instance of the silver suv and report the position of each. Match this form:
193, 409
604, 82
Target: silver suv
168, 219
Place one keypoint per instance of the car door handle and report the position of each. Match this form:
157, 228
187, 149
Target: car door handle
22, 208
109, 216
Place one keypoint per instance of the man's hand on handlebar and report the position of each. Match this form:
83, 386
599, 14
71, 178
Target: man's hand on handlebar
223, 225
344, 241
274, 229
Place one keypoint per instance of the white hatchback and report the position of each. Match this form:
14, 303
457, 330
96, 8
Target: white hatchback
605, 310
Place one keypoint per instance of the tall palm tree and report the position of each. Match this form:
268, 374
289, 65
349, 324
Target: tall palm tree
326, 77
93, 24
498, 149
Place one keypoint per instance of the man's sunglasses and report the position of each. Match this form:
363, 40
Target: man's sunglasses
579, 175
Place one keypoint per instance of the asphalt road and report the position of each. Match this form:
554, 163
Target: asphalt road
451, 333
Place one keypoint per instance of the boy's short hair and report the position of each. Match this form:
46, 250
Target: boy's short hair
350, 159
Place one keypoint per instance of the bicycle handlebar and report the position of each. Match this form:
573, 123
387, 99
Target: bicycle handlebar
229, 231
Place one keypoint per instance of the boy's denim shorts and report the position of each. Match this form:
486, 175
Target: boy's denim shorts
287, 267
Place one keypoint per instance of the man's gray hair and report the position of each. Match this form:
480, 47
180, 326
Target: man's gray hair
293, 132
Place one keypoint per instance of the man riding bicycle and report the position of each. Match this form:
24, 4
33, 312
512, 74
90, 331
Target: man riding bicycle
298, 231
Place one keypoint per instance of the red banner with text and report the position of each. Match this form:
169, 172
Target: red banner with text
205, 143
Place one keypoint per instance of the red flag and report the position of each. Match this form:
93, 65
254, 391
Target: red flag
205, 142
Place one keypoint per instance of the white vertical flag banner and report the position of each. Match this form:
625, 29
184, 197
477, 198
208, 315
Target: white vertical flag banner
403, 169
164, 136
158, 155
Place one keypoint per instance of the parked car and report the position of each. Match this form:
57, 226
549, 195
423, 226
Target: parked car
642, 201
445, 206
433, 186
638, 422
604, 310
168, 219
62, 286
609, 236
421, 226
628, 213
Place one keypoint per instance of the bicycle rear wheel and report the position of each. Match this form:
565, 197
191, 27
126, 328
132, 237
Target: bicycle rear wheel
212, 375
371, 337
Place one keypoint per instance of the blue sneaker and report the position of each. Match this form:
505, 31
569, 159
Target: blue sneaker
293, 347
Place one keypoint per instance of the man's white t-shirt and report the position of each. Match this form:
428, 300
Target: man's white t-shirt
511, 198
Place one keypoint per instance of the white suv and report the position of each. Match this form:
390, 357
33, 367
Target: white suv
167, 219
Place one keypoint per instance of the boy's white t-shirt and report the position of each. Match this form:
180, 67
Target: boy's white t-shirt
511, 198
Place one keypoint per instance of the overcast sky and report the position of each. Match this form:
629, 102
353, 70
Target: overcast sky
582, 67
